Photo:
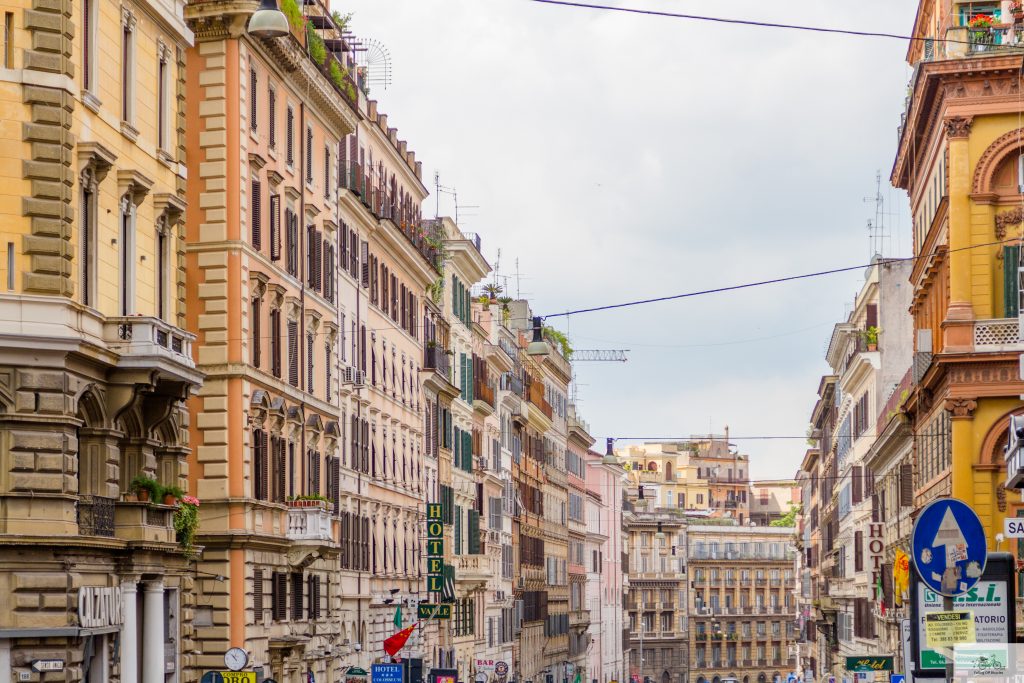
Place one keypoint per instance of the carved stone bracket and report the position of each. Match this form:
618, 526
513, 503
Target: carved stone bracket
962, 408
958, 127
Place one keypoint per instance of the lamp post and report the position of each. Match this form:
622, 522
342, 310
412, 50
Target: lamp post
268, 21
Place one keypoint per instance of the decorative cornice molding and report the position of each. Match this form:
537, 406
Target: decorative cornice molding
992, 156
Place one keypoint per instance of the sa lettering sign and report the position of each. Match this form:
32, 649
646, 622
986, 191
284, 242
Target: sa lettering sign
1013, 527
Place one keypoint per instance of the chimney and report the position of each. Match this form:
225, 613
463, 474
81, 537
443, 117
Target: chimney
419, 169
393, 135
382, 121
371, 110
609, 446
401, 147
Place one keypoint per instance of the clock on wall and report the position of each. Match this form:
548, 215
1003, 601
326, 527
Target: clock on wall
236, 658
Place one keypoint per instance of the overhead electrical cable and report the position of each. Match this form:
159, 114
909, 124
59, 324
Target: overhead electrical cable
744, 22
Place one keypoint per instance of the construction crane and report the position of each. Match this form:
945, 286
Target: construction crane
602, 355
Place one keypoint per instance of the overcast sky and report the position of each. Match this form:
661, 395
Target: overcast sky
623, 157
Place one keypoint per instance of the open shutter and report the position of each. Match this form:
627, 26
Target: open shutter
858, 483
1011, 285
474, 532
858, 551
906, 485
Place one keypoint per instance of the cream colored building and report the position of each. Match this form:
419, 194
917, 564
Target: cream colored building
772, 500
95, 365
667, 474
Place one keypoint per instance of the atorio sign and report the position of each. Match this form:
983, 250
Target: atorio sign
987, 601
99, 606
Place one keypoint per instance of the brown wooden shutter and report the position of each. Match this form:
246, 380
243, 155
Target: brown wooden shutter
256, 332
280, 470
256, 215
364, 259
310, 378
272, 118
257, 595
318, 259
858, 483
253, 107
293, 353
275, 227
876, 512
872, 315
275, 342
906, 485
887, 585
858, 551
279, 596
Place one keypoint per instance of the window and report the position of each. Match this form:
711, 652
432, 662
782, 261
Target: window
327, 172
293, 353
328, 271
309, 155
327, 366
314, 257
163, 259
275, 342
279, 596
290, 136
260, 465
275, 227
271, 118
127, 66
9, 40
310, 337
291, 242
253, 83
254, 326
161, 97
87, 238
256, 214
126, 243
88, 43
257, 595
297, 585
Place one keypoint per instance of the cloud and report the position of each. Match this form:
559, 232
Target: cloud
616, 157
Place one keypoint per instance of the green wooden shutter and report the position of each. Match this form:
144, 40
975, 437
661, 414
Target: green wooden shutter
458, 530
470, 386
455, 295
469, 451
1011, 259
457, 446
474, 532
463, 376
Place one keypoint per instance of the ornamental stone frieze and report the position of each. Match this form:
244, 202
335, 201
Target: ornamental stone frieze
1006, 219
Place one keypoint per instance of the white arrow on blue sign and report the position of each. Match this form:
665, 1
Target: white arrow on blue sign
949, 547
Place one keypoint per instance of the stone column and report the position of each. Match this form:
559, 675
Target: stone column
153, 633
129, 633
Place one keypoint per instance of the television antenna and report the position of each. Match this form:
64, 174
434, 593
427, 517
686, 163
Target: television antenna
373, 56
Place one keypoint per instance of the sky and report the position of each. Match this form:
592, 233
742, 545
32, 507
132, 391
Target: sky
614, 157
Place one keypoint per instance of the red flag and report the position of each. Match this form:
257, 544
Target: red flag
396, 642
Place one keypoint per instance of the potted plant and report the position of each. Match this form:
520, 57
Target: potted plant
171, 495
1017, 10
186, 522
871, 338
146, 488
981, 28
493, 290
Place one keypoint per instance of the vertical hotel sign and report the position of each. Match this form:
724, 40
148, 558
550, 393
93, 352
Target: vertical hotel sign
435, 548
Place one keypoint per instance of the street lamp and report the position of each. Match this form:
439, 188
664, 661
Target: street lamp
268, 21
538, 347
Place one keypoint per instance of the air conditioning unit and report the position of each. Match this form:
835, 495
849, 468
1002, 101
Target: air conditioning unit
348, 376
359, 379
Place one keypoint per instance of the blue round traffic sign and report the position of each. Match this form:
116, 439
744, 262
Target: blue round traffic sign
949, 547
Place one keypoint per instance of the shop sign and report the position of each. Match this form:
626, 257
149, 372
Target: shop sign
238, 676
868, 663
435, 550
987, 601
427, 610
99, 606
486, 665
387, 673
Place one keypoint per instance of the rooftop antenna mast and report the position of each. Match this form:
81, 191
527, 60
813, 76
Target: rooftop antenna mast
876, 227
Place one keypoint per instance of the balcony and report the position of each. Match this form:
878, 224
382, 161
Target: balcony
96, 516
309, 522
146, 343
136, 521
994, 39
1000, 334
899, 394
437, 365
483, 396
472, 568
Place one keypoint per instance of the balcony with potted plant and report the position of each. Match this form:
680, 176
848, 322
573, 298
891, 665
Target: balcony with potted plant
309, 518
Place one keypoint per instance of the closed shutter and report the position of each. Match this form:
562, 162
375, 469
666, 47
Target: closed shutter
1011, 285
275, 226
365, 445
474, 532
311, 591
467, 451
293, 353
327, 172
308, 151
858, 483
259, 464
876, 512
280, 471
887, 585
290, 137
256, 333
310, 338
458, 530
318, 260
257, 595
329, 272
255, 215
858, 551
272, 118
906, 485
871, 311
297, 586
279, 596
275, 342
253, 107
364, 253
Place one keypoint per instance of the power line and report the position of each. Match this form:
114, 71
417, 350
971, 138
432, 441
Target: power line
761, 283
744, 22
